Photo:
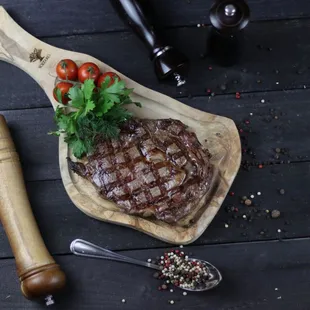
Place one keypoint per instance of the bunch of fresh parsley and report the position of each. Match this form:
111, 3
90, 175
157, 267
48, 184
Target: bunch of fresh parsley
92, 113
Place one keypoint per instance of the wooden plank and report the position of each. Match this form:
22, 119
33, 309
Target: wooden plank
267, 275
49, 18
60, 221
39, 152
275, 120
123, 52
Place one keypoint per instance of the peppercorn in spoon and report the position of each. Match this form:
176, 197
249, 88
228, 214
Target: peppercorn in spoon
190, 274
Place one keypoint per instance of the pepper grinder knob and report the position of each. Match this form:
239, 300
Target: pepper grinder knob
229, 15
168, 62
225, 41
230, 10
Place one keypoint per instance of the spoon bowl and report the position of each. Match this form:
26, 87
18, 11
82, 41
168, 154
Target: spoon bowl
84, 248
214, 280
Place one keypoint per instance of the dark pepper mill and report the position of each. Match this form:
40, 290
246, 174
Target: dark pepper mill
228, 19
168, 62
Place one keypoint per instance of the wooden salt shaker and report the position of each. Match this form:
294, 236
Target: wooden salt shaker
225, 41
38, 273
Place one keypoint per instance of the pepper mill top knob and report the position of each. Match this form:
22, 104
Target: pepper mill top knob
230, 10
230, 15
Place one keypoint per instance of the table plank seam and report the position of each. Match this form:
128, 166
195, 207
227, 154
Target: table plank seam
192, 246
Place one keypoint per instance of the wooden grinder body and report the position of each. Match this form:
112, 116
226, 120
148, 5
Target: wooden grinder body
38, 273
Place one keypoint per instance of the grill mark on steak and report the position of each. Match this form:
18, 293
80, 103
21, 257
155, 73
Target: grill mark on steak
157, 167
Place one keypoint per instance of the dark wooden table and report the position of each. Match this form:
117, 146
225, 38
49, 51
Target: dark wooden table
265, 262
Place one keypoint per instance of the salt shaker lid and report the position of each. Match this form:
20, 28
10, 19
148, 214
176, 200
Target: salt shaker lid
230, 15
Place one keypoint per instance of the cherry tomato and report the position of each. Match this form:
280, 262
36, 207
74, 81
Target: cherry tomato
64, 88
103, 76
88, 70
67, 70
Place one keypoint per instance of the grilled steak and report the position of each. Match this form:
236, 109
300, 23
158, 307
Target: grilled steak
156, 168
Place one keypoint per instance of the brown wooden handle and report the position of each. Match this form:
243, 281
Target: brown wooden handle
38, 273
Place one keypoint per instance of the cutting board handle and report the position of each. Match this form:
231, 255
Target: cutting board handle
21, 49
38, 273
17, 46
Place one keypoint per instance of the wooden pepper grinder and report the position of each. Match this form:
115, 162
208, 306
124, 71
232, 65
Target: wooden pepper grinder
168, 62
38, 273
228, 19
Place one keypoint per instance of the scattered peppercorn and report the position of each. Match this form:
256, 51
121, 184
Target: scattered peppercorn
275, 214
282, 191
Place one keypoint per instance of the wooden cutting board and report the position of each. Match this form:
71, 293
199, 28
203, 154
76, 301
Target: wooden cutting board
217, 133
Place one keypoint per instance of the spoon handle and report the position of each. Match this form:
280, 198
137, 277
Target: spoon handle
84, 248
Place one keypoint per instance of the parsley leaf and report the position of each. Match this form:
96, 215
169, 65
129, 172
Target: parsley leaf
138, 104
58, 95
88, 89
77, 145
77, 97
90, 105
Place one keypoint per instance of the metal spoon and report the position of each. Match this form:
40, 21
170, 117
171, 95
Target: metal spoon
83, 248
